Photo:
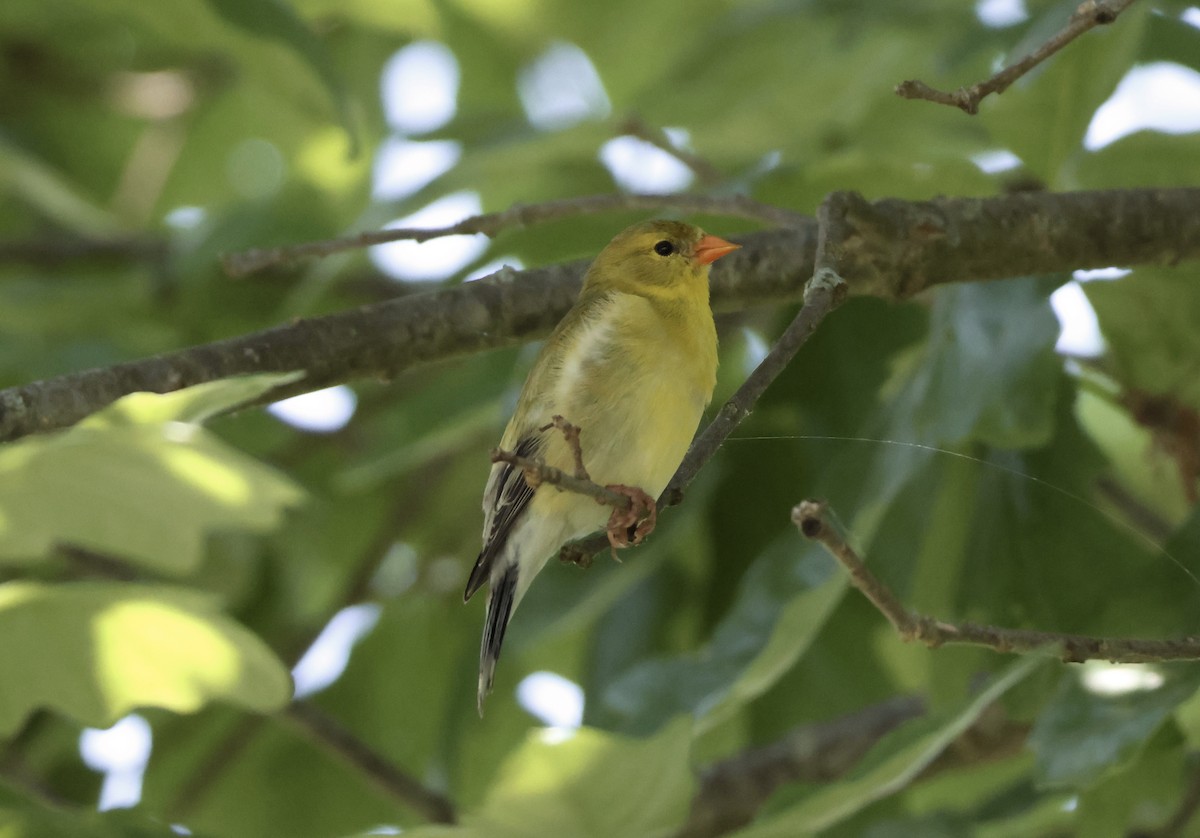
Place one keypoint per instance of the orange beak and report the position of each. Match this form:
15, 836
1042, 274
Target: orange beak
711, 248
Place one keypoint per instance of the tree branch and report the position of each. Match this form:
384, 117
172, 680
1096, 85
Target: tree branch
705, 171
515, 217
733, 790
326, 732
55, 251
824, 292
894, 249
213, 765
809, 517
1088, 15
537, 472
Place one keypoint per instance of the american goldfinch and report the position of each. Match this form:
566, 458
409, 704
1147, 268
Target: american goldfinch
632, 366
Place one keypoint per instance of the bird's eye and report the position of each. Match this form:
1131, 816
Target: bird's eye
664, 248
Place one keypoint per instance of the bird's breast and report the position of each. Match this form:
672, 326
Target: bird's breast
636, 382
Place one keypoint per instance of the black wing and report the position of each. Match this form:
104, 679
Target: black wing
512, 494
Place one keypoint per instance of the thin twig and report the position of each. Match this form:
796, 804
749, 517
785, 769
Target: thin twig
706, 172
326, 732
571, 435
99, 565
1139, 515
538, 472
823, 294
214, 764
809, 517
633, 509
1088, 15
191, 791
515, 217
54, 251
14, 763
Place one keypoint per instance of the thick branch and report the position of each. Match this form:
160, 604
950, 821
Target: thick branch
1088, 15
895, 249
809, 517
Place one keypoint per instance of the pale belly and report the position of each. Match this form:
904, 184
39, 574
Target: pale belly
648, 438
637, 399
646, 428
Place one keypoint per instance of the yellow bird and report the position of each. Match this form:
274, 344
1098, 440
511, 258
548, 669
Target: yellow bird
632, 366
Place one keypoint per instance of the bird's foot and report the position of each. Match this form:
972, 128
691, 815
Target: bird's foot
630, 526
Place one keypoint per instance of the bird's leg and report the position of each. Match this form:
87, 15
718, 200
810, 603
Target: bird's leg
630, 526
625, 526
571, 435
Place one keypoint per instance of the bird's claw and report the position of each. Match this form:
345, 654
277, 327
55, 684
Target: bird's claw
630, 526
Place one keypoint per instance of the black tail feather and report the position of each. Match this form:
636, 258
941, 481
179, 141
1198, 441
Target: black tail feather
499, 609
479, 575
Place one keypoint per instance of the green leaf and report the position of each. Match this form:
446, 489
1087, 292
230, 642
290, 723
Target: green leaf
148, 493
1133, 458
1043, 555
592, 783
191, 404
276, 20
1142, 159
314, 791
1048, 815
890, 766
1148, 320
987, 372
1044, 116
788, 594
22, 816
1141, 794
970, 789
1170, 39
96, 651
378, 686
1083, 735
37, 184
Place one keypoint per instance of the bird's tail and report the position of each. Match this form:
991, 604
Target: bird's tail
499, 608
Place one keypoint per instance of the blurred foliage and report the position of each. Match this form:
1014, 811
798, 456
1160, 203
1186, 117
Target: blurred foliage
985, 476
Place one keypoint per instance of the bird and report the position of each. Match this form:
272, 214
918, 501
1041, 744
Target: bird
622, 383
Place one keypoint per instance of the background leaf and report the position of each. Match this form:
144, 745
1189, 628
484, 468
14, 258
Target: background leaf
1083, 735
120, 647
133, 481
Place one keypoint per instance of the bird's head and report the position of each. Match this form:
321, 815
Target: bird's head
658, 259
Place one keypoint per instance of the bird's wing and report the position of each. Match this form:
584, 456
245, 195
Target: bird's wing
507, 493
505, 497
